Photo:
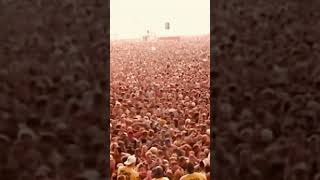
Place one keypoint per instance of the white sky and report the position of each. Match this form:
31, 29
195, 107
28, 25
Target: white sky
132, 18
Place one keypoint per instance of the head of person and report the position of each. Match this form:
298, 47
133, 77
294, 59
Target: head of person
168, 142
166, 164
182, 160
148, 156
131, 161
189, 167
144, 149
137, 151
169, 173
201, 155
130, 132
151, 133
157, 172
143, 171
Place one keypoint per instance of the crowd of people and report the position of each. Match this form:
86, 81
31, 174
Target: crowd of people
52, 90
159, 109
266, 84
266, 79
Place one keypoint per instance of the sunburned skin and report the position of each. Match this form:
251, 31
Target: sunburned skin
176, 118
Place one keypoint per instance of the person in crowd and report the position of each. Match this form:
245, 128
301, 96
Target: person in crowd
158, 173
129, 169
191, 174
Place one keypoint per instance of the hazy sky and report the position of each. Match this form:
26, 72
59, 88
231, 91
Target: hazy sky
132, 18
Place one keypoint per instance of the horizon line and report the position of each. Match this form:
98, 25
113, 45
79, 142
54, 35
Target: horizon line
181, 35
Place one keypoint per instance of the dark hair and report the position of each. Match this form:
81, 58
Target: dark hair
157, 172
164, 169
207, 169
190, 167
181, 159
201, 165
179, 152
124, 159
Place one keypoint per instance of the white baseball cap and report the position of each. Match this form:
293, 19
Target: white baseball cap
206, 162
131, 160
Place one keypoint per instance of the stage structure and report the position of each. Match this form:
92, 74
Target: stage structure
168, 33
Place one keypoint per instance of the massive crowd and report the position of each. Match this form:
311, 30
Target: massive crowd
52, 88
267, 92
160, 103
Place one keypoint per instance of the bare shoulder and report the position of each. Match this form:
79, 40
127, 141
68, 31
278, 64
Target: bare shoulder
121, 167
